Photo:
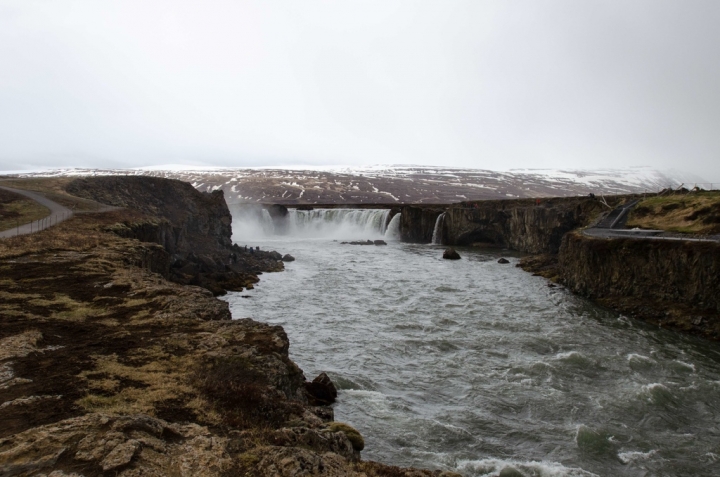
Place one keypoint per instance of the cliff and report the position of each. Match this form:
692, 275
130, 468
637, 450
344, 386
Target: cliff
525, 225
194, 227
417, 223
108, 368
670, 283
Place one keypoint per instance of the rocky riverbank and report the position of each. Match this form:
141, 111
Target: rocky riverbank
110, 364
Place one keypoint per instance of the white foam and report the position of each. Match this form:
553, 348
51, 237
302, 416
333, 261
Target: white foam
492, 467
635, 356
683, 364
634, 456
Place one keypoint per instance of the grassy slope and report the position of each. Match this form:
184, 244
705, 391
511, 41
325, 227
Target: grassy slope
53, 189
697, 213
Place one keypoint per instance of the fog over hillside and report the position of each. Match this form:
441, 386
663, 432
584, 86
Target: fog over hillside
402, 184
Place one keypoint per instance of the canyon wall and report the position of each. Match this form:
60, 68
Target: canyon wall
525, 225
670, 283
418, 222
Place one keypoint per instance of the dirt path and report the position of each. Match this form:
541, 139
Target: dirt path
58, 213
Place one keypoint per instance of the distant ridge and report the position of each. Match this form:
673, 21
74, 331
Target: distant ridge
397, 184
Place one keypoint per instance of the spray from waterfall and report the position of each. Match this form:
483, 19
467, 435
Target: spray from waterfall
437, 231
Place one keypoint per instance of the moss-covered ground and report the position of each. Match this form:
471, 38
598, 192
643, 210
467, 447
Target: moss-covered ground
694, 212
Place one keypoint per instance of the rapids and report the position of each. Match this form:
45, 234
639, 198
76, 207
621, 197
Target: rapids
479, 367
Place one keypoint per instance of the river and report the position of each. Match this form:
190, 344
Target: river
480, 367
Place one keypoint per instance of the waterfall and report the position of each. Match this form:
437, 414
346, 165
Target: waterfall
393, 228
437, 231
340, 223
251, 222
267, 223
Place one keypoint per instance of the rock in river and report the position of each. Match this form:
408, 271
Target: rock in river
503, 260
451, 254
322, 390
288, 258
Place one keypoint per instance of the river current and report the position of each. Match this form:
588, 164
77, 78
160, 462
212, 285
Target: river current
479, 367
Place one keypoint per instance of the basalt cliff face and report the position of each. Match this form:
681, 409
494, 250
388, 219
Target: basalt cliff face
417, 223
195, 228
526, 225
670, 283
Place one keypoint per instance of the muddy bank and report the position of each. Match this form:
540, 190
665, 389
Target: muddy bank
107, 367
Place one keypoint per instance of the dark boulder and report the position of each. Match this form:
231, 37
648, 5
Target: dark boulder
451, 254
275, 255
288, 258
322, 391
503, 260
380, 242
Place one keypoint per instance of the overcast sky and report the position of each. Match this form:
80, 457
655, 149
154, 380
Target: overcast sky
486, 84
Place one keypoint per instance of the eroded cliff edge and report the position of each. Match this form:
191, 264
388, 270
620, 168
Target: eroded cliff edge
109, 368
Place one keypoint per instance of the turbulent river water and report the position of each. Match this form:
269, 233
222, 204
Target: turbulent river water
479, 367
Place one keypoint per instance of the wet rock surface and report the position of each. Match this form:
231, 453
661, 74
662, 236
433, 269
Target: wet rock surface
451, 254
668, 283
322, 390
365, 242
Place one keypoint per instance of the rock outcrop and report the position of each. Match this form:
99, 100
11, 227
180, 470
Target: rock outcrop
193, 227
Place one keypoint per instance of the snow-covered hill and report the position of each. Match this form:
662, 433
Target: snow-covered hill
400, 184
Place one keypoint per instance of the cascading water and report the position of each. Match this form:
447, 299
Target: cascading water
267, 222
437, 231
316, 223
337, 222
393, 228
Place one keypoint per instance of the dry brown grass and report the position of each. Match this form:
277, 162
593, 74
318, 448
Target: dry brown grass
79, 234
697, 212
54, 189
120, 388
